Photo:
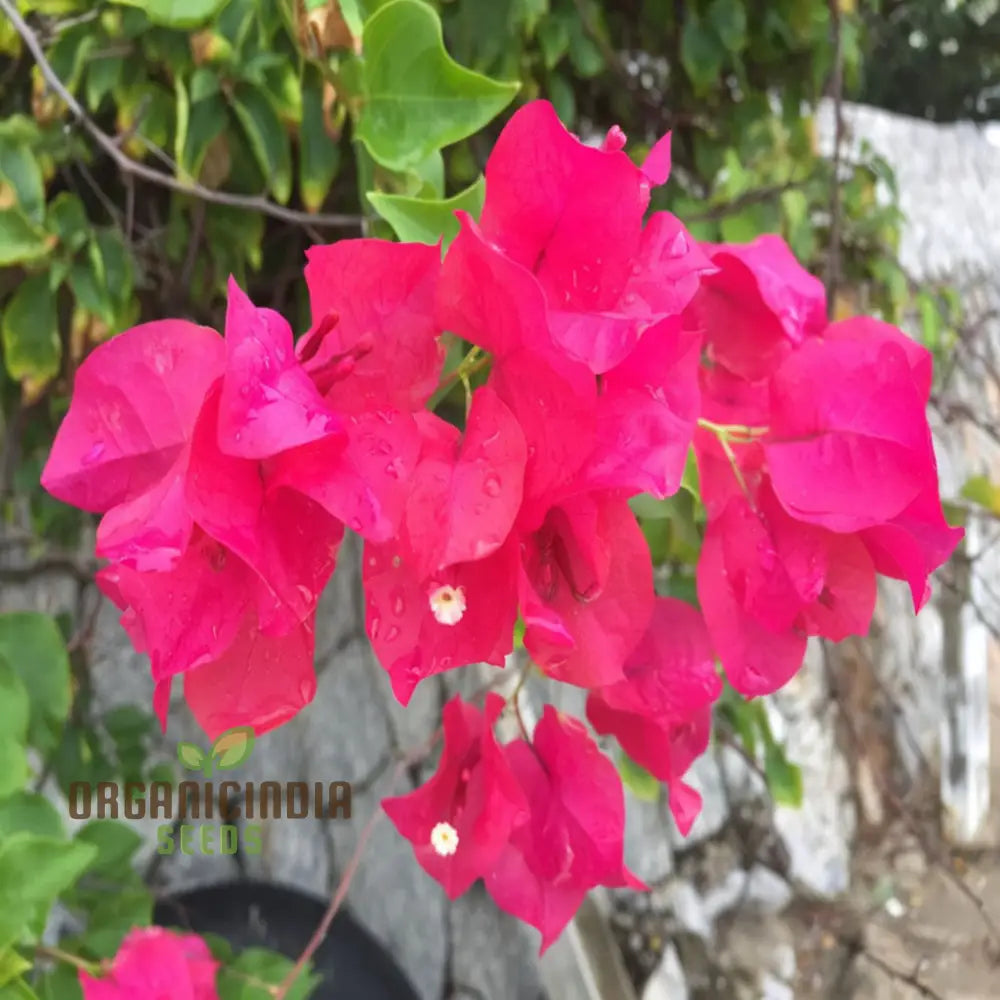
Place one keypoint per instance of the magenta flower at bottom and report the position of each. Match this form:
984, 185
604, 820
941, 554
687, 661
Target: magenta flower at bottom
156, 964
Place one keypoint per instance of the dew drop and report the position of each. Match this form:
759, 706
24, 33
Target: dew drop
393, 634
376, 624
398, 603
491, 485
94, 453
354, 524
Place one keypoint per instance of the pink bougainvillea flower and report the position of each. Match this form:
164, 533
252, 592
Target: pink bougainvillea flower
123, 450
661, 713
461, 820
268, 403
382, 295
188, 615
201, 619
849, 445
646, 414
116, 442
364, 480
758, 306
572, 215
465, 497
424, 625
586, 590
287, 538
156, 964
914, 543
574, 839
767, 581
260, 681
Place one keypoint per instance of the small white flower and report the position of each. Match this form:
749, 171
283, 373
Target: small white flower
448, 604
444, 839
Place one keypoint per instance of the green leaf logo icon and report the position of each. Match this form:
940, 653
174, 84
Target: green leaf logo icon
233, 747
191, 756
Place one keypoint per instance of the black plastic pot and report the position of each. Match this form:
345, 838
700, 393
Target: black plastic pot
248, 914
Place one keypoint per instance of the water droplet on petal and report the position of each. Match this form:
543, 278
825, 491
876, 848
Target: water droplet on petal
398, 603
393, 634
491, 485
94, 453
376, 624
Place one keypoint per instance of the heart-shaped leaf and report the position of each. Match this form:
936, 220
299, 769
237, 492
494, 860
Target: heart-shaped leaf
416, 97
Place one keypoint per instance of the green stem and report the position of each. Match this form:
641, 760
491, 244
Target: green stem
58, 955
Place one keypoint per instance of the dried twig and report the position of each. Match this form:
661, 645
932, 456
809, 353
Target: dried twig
833, 259
129, 166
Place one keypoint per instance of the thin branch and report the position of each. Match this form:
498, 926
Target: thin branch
125, 163
908, 978
833, 260
319, 936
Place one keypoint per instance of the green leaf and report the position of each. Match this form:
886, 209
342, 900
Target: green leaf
416, 97
784, 779
177, 13
980, 490
729, 19
33, 645
103, 75
61, 983
268, 139
67, 219
29, 812
426, 220
265, 967
637, 779
702, 55
30, 328
208, 121
12, 965
19, 168
232, 748
353, 16
13, 765
21, 240
191, 756
319, 155
690, 480
33, 872
14, 708
114, 844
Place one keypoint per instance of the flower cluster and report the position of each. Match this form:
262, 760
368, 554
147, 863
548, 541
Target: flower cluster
153, 963
227, 468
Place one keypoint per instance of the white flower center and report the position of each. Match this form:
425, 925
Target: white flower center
444, 839
448, 604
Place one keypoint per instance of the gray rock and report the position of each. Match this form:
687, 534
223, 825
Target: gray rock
478, 929
668, 981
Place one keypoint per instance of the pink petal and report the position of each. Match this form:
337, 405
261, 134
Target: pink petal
410, 642
849, 445
260, 681
462, 509
487, 298
382, 292
646, 415
756, 660
116, 441
656, 166
365, 482
268, 403
186, 616
605, 627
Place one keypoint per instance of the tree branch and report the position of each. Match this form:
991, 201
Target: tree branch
129, 166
